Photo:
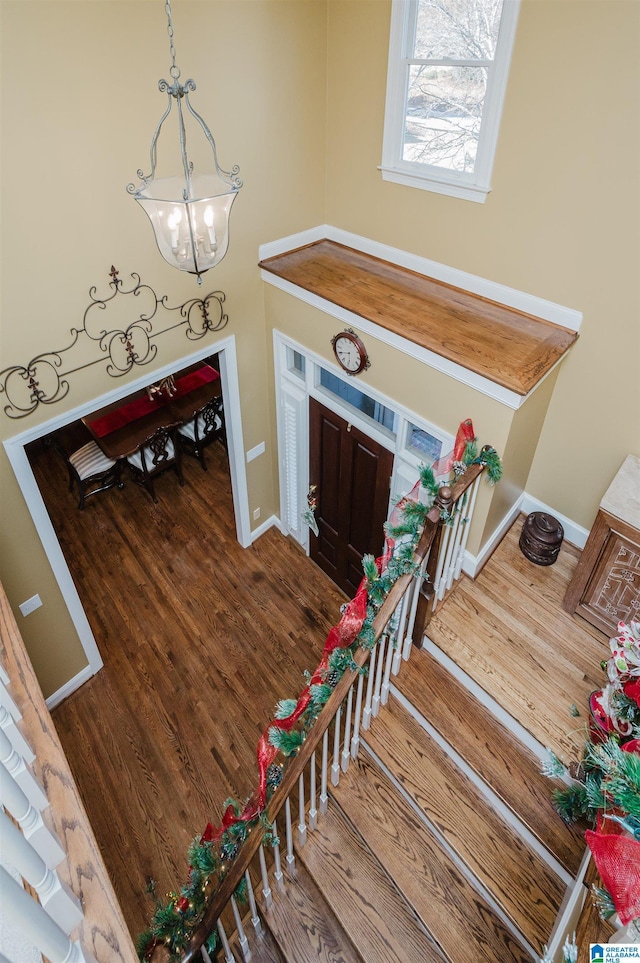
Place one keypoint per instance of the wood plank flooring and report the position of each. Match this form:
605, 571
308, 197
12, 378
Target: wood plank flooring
456, 915
498, 342
529, 892
508, 631
492, 751
200, 639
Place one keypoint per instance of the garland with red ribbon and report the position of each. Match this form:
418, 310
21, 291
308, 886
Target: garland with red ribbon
173, 923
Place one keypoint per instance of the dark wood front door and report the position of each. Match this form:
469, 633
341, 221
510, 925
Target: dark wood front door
352, 474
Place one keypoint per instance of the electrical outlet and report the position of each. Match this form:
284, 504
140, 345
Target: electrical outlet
256, 514
31, 605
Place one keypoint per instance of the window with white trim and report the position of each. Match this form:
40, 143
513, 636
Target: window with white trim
448, 67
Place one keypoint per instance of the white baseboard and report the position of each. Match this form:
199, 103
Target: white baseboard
268, 523
471, 564
65, 691
574, 534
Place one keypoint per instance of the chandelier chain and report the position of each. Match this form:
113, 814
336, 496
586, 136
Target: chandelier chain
174, 71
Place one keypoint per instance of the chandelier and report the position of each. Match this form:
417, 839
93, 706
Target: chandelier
189, 212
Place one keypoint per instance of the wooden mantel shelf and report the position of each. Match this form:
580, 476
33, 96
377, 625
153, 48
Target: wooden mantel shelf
506, 346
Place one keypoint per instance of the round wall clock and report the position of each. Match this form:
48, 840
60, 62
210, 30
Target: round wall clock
350, 352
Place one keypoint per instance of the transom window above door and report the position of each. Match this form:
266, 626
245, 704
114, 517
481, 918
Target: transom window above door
447, 75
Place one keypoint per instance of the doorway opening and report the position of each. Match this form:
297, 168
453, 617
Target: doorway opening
17, 451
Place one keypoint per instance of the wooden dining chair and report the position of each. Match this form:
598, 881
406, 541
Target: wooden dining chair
90, 470
158, 453
205, 427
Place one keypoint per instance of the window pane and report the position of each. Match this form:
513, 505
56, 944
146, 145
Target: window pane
457, 29
444, 110
424, 444
357, 399
295, 362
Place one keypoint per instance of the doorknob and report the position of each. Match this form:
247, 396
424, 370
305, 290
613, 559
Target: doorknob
349, 427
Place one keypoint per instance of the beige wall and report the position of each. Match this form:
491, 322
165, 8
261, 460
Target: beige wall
561, 222
294, 93
80, 105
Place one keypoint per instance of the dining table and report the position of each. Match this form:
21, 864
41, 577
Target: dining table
120, 428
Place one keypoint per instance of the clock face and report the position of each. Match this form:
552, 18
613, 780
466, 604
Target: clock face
350, 352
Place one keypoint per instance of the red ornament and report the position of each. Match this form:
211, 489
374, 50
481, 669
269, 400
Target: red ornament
632, 690
182, 904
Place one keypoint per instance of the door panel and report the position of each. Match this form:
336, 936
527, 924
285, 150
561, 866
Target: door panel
352, 473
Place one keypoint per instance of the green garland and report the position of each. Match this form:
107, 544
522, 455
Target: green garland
175, 920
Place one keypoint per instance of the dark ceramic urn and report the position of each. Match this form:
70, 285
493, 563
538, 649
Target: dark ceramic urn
541, 538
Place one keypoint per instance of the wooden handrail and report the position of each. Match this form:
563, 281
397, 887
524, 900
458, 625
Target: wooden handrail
298, 764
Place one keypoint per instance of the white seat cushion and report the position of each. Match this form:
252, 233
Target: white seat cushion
90, 460
136, 458
189, 429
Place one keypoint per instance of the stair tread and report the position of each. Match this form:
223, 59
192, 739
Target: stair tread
490, 627
521, 883
302, 924
378, 920
492, 751
264, 947
456, 915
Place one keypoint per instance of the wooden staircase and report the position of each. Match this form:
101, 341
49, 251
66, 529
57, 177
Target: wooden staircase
440, 842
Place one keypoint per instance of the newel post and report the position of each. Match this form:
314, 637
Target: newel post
443, 502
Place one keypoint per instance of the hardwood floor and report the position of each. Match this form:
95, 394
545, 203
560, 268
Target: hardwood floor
508, 631
200, 638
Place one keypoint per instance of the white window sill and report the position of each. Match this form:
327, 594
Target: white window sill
452, 188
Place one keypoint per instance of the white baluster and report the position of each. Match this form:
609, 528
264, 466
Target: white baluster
242, 936
278, 874
20, 773
291, 860
411, 621
43, 840
228, 955
266, 889
302, 823
375, 703
205, 954
355, 739
335, 768
447, 570
347, 732
3, 675
255, 919
324, 796
366, 714
471, 493
313, 801
401, 612
18, 741
7, 701
54, 895
26, 916
384, 690
437, 580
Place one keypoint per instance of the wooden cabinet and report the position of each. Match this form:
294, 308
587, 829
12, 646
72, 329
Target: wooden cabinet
605, 588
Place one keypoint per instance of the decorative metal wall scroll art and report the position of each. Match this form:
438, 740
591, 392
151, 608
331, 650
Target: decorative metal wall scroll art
43, 380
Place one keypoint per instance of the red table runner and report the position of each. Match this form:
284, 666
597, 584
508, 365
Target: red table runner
140, 407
